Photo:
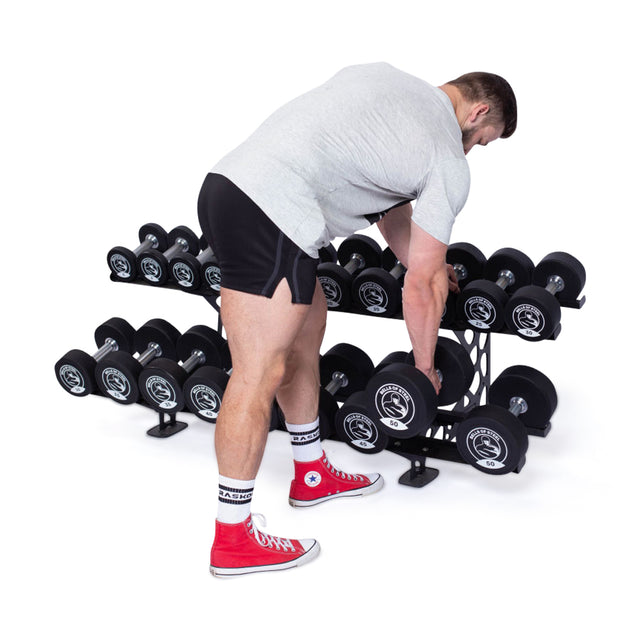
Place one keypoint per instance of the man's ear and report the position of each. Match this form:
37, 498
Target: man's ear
478, 110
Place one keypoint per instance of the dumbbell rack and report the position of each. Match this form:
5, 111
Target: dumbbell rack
438, 439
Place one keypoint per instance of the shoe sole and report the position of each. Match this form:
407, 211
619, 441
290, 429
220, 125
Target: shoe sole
362, 491
230, 572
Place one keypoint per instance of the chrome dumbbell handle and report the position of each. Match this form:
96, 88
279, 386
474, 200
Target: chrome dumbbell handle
505, 279
338, 380
197, 357
555, 284
517, 406
109, 345
180, 246
356, 261
150, 242
152, 351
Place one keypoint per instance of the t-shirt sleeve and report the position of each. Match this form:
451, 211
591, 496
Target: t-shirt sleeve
441, 197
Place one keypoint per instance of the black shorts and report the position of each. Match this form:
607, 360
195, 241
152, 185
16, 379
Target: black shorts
253, 253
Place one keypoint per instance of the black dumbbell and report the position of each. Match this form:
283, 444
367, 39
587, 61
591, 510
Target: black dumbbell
188, 270
75, 370
344, 369
161, 382
117, 373
468, 263
123, 261
153, 265
493, 438
533, 312
482, 302
378, 290
353, 423
355, 253
401, 399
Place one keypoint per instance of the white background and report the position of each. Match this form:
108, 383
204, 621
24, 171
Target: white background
112, 113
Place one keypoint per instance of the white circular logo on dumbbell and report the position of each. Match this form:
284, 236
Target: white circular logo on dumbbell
331, 290
212, 276
480, 312
183, 274
395, 407
361, 431
528, 320
116, 383
72, 379
487, 447
120, 265
161, 392
373, 297
151, 269
206, 401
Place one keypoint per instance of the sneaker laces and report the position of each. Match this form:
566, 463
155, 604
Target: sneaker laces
267, 540
341, 474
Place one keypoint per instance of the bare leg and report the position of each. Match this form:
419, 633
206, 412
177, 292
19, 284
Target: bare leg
299, 390
260, 332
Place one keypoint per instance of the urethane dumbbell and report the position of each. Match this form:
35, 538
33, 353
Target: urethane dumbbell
153, 265
353, 423
161, 382
468, 264
344, 369
493, 438
401, 399
356, 252
533, 312
123, 261
378, 290
482, 302
75, 370
117, 373
190, 272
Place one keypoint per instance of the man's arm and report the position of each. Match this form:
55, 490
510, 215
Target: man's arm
395, 228
426, 286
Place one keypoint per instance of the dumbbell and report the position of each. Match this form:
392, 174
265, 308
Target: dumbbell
493, 438
344, 369
161, 382
123, 261
75, 370
468, 263
191, 271
482, 302
117, 373
533, 312
353, 423
203, 391
356, 252
401, 399
378, 290
153, 265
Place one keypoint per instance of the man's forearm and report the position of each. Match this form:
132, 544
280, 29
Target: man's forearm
423, 305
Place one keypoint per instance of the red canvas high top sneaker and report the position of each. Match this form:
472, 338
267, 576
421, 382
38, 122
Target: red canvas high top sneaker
319, 481
242, 548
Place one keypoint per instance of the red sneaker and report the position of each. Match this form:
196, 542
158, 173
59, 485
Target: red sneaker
319, 480
241, 548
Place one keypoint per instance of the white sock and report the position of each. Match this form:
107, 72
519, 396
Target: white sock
234, 499
305, 441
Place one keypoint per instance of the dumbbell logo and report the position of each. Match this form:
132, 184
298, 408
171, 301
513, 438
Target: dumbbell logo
360, 430
205, 401
480, 312
488, 447
161, 392
72, 379
115, 383
395, 407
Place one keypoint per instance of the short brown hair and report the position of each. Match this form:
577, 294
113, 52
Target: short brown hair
481, 86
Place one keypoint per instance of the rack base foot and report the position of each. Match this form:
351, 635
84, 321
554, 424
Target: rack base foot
165, 428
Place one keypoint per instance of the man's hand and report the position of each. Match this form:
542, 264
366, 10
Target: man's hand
453, 279
434, 378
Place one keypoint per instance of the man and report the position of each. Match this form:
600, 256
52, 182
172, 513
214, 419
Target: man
357, 149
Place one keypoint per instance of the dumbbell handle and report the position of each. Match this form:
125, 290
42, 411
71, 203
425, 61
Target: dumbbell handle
517, 406
180, 246
505, 279
338, 380
205, 255
152, 351
398, 270
109, 345
356, 261
197, 357
150, 242
555, 284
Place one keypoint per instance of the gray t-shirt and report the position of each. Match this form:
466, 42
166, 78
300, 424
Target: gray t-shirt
333, 160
